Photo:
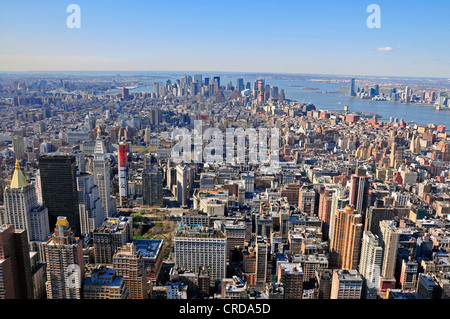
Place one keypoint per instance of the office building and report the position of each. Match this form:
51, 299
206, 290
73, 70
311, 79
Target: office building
92, 213
261, 261
307, 201
409, 274
101, 175
396, 156
389, 239
151, 255
152, 185
112, 234
59, 189
197, 281
291, 276
346, 284
15, 267
352, 88
359, 192
128, 263
19, 147
122, 168
427, 288
182, 183
104, 284
291, 193
199, 246
125, 93
370, 263
22, 209
324, 280
375, 214
347, 233
65, 264
264, 226
311, 264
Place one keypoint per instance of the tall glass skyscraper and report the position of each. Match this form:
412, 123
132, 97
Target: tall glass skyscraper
351, 91
59, 189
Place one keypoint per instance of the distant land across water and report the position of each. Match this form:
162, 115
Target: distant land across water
294, 84
335, 100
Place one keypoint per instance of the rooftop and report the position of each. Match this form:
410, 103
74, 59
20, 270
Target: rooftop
198, 231
148, 247
18, 179
112, 225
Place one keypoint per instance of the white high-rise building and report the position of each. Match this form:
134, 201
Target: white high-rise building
182, 185
22, 209
38, 188
370, 262
19, 147
346, 284
389, 238
101, 175
201, 247
92, 213
338, 201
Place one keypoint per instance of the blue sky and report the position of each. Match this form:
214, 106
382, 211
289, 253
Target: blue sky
282, 36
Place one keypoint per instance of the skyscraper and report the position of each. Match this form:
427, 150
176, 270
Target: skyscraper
240, 85
375, 214
352, 88
339, 200
152, 183
18, 147
389, 238
182, 185
359, 192
15, 266
65, 267
125, 93
396, 156
112, 234
347, 232
101, 174
128, 263
370, 262
122, 168
22, 209
261, 261
197, 247
198, 79
90, 204
59, 189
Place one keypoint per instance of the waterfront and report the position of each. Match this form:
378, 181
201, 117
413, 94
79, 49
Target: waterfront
295, 90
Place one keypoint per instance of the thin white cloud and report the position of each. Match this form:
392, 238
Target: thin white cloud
385, 49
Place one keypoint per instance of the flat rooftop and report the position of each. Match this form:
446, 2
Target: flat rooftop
148, 247
112, 225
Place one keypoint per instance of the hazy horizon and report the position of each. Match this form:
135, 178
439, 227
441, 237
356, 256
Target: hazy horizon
283, 37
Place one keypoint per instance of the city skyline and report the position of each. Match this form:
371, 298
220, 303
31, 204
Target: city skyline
274, 151
304, 38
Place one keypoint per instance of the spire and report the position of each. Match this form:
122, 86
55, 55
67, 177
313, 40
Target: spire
18, 179
99, 132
